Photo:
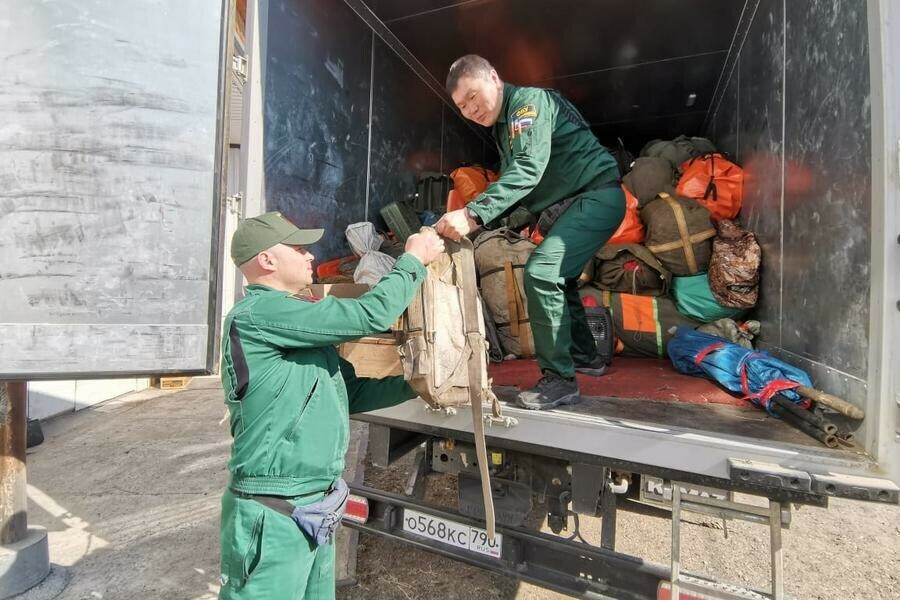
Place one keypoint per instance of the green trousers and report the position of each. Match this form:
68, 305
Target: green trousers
265, 556
560, 329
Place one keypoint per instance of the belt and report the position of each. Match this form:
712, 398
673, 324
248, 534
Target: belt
319, 520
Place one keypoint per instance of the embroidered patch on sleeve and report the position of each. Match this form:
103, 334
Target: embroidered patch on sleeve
526, 111
522, 119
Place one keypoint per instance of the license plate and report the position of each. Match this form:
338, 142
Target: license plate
451, 533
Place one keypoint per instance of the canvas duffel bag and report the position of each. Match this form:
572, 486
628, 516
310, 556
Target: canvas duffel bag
678, 233
500, 257
643, 325
630, 268
649, 177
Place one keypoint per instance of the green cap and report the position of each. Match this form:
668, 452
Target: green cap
261, 233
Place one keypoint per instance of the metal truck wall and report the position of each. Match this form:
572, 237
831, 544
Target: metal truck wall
630, 67
795, 114
325, 69
108, 126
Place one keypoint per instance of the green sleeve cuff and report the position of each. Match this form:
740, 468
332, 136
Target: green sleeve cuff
482, 211
409, 263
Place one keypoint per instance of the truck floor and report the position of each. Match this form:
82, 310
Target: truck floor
651, 390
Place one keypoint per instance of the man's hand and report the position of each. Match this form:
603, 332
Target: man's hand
455, 224
425, 245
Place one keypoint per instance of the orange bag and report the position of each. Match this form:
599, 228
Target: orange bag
631, 231
471, 181
715, 182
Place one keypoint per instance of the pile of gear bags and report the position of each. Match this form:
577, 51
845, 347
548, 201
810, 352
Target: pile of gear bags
679, 258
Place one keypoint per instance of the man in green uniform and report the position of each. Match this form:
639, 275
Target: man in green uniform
548, 155
289, 395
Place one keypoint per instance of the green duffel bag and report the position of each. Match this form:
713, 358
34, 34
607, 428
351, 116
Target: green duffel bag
632, 269
678, 233
679, 150
694, 298
650, 176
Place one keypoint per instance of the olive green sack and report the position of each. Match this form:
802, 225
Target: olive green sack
679, 234
632, 269
500, 257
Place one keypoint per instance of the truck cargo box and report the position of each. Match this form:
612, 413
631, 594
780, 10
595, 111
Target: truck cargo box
115, 184
353, 108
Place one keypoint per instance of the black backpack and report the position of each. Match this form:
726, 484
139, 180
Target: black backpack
624, 158
431, 192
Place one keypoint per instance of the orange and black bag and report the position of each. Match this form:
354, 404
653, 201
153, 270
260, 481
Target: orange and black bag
471, 180
715, 182
643, 325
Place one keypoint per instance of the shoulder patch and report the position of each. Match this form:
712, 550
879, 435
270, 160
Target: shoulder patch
523, 118
527, 111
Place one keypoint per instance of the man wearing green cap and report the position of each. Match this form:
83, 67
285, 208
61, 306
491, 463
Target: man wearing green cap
289, 396
549, 159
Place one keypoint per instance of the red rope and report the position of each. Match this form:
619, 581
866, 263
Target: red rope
706, 352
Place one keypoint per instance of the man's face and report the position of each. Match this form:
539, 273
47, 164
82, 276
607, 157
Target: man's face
479, 98
293, 266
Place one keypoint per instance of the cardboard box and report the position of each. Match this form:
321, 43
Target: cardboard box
339, 290
373, 356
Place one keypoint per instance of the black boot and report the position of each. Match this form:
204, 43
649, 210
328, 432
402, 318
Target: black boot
595, 368
551, 391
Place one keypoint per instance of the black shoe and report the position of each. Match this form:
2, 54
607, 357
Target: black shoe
595, 368
551, 391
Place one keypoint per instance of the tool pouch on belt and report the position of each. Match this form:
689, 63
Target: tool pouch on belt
319, 520
443, 349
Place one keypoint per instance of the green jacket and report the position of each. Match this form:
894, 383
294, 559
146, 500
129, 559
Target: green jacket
547, 154
287, 390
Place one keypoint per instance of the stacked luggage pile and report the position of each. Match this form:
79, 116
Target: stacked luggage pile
678, 258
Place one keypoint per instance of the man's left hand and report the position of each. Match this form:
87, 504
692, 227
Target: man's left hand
455, 224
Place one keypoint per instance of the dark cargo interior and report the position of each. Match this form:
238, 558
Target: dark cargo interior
353, 112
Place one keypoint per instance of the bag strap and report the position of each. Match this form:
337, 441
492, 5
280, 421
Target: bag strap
475, 340
415, 314
711, 186
512, 299
525, 338
687, 240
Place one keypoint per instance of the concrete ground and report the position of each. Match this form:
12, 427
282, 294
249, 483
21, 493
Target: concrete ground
129, 491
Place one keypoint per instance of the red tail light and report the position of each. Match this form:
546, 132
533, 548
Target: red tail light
357, 509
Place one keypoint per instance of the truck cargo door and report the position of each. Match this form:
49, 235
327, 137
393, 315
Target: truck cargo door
109, 184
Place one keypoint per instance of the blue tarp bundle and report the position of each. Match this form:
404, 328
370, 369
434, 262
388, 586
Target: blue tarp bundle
756, 375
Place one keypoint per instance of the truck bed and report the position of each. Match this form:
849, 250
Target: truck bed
644, 416
652, 391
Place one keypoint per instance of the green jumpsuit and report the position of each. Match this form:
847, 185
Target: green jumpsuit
289, 395
549, 154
